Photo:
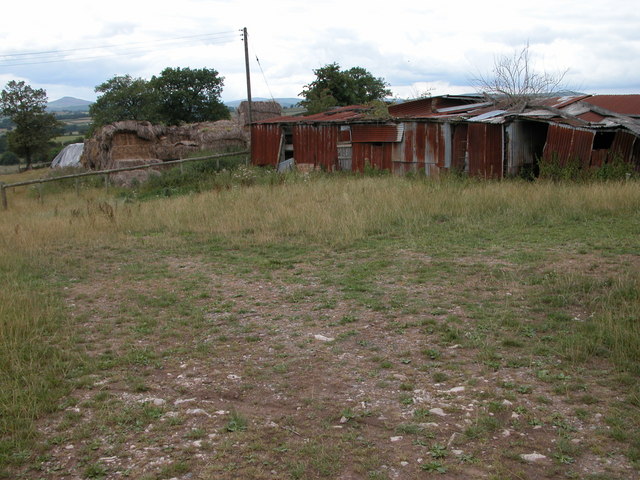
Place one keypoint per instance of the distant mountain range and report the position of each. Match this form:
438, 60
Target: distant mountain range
71, 104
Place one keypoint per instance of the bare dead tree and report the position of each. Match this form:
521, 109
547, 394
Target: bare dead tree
515, 82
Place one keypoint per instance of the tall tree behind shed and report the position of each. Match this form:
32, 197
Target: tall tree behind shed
335, 87
188, 95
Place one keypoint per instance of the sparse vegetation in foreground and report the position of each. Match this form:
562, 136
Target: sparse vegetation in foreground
322, 326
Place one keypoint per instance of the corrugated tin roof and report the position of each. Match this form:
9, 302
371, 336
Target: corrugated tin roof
339, 114
624, 104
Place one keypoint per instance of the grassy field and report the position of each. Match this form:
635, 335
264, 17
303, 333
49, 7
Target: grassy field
322, 327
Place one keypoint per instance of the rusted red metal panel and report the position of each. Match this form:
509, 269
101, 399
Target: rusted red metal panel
624, 104
622, 146
411, 156
435, 144
459, 149
316, 144
265, 144
376, 155
375, 133
484, 144
568, 143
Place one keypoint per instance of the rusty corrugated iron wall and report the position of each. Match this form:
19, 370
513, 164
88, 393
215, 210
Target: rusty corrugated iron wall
484, 147
436, 146
622, 147
408, 155
316, 144
459, 147
265, 144
376, 155
567, 143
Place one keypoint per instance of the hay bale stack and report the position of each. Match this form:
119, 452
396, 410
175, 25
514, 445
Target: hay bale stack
259, 111
132, 140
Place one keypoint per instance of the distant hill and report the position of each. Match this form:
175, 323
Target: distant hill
284, 102
69, 104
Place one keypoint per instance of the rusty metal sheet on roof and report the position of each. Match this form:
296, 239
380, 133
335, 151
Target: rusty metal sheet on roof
340, 114
623, 104
372, 133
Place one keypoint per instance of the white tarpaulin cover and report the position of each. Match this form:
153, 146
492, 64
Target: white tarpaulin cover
69, 156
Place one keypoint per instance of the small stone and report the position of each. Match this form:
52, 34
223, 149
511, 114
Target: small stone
158, 402
197, 411
184, 400
506, 433
438, 411
404, 464
507, 403
399, 376
344, 420
233, 377
532, 457
322, 338
457, 452
453, 347
69, 447
395, 439
456, 390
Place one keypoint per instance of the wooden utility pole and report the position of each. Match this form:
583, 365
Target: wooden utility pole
246, 62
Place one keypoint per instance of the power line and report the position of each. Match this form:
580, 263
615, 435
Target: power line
56, 56
265, 79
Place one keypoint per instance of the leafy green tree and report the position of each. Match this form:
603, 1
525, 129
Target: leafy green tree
124, 98
335, 87
34, 127
188, 95
177, 95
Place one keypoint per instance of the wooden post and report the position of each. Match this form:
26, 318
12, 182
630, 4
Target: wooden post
3, 194
248, 71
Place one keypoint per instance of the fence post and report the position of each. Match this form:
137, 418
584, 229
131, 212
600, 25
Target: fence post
3, 194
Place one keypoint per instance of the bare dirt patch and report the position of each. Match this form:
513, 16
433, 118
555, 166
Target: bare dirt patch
401, 368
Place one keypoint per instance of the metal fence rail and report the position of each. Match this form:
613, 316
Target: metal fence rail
5, 186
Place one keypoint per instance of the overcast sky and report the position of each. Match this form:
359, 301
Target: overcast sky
415, 45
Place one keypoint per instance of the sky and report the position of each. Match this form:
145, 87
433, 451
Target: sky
416, 46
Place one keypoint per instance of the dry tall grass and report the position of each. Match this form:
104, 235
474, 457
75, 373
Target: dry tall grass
332, 211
